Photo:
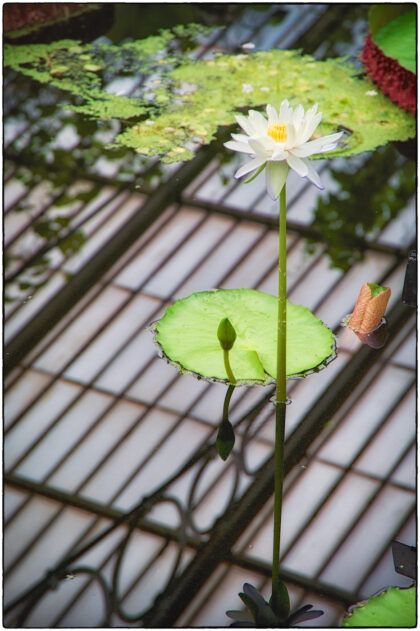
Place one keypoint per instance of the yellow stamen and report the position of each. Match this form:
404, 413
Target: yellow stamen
278, 132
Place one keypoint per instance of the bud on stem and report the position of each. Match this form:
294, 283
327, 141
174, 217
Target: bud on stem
225, 439
227, 336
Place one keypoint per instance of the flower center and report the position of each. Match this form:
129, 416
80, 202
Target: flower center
278, 132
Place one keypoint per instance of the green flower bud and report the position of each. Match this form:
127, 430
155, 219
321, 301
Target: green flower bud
225, 439
226, 334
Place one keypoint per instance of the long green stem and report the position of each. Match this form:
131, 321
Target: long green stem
280, 392
227, 367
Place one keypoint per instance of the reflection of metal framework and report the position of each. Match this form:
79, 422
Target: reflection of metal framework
117, 509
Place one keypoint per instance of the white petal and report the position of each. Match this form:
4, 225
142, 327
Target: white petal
238, 146
292, 138
240, 137
320, 145
249, 166
259, 147
285, 112
297, 165
329, 147
276, 174
259, 121
279, 152
272, 115
298, 116
313, 176
308, 148
309, 127
310, 114
246, 124
267, 142
333, 138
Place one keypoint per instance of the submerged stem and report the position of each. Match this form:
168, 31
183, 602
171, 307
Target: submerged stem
228, 397
280, 392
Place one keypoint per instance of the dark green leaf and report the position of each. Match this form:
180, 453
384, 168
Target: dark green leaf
280, 601
381, 14
397, 39
249, 603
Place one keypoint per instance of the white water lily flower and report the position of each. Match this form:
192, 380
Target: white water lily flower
281, 142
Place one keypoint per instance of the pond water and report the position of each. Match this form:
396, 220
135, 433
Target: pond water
98, 242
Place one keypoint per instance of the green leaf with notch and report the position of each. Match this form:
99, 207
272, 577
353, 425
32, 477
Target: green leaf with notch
187, 334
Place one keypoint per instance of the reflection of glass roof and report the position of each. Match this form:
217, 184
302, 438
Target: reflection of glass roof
116, 505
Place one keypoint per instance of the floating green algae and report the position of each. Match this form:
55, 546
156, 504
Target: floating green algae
187, 101
231, 82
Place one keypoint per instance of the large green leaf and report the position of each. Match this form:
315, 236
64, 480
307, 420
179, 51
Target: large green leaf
397, 39
187, 334
381, 14
394, 607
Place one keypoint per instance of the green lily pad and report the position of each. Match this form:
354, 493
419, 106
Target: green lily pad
397, 39
394, 607
381, 14
187, 334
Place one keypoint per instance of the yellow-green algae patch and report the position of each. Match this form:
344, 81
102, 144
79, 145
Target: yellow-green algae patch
190, 100
229, 83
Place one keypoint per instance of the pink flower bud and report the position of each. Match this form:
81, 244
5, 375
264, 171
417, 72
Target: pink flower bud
370, 308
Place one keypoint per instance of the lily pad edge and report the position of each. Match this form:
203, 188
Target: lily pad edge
240, 382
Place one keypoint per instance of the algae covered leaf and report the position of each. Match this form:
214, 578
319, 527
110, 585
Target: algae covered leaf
187, 334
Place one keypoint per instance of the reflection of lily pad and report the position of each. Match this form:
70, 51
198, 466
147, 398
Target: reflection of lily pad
394, 607
187, 334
